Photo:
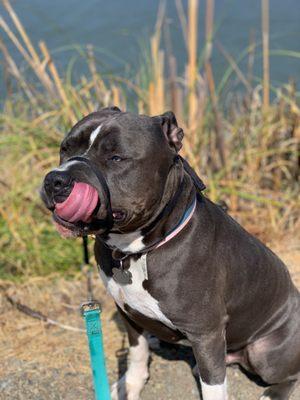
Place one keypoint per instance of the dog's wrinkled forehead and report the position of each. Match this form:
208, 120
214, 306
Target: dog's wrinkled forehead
110, 130
134, 131
87, 129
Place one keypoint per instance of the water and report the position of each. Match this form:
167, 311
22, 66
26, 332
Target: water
119, 30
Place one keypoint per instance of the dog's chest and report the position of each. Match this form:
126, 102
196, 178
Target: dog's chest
134, 294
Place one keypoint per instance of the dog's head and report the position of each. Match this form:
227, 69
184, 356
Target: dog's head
113, 164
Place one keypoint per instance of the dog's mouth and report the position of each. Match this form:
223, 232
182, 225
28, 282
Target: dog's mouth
77, 215
74, 214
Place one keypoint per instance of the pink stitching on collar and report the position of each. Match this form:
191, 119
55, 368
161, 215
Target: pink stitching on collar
178, 229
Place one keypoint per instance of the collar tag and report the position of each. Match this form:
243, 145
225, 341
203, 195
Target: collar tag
121, 275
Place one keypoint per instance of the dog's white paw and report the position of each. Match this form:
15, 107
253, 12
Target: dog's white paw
127, 389
263, 397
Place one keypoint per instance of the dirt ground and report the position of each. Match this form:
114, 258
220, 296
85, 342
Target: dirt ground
41, 361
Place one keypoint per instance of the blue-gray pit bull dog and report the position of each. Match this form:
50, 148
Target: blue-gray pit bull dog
175, 263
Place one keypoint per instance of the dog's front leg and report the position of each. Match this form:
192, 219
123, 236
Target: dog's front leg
132, 382
209, 351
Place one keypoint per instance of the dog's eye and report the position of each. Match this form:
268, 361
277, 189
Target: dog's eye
116, 158
63, 148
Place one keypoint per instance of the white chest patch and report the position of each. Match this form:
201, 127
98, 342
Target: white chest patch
127, 242
134, 294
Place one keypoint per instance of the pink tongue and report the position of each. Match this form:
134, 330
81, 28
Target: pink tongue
80, 204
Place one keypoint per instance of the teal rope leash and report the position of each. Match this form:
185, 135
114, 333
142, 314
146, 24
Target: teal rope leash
91, 312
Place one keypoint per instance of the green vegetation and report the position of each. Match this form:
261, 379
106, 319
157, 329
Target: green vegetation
249, 154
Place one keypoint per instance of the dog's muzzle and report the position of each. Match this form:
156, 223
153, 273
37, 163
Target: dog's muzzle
79, 204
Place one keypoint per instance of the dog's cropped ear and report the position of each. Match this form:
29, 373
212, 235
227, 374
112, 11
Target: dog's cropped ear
173, 133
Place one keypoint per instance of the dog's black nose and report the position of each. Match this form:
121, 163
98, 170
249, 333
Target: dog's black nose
58, 184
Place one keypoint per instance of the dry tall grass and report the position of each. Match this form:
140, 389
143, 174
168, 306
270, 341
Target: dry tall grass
247, 157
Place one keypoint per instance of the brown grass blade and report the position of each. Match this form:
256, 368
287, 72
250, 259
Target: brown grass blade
266, 60
235, 67
192, 61
183, 21
211, 83
58, 82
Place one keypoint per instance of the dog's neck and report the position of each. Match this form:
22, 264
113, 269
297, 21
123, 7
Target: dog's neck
141, 240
